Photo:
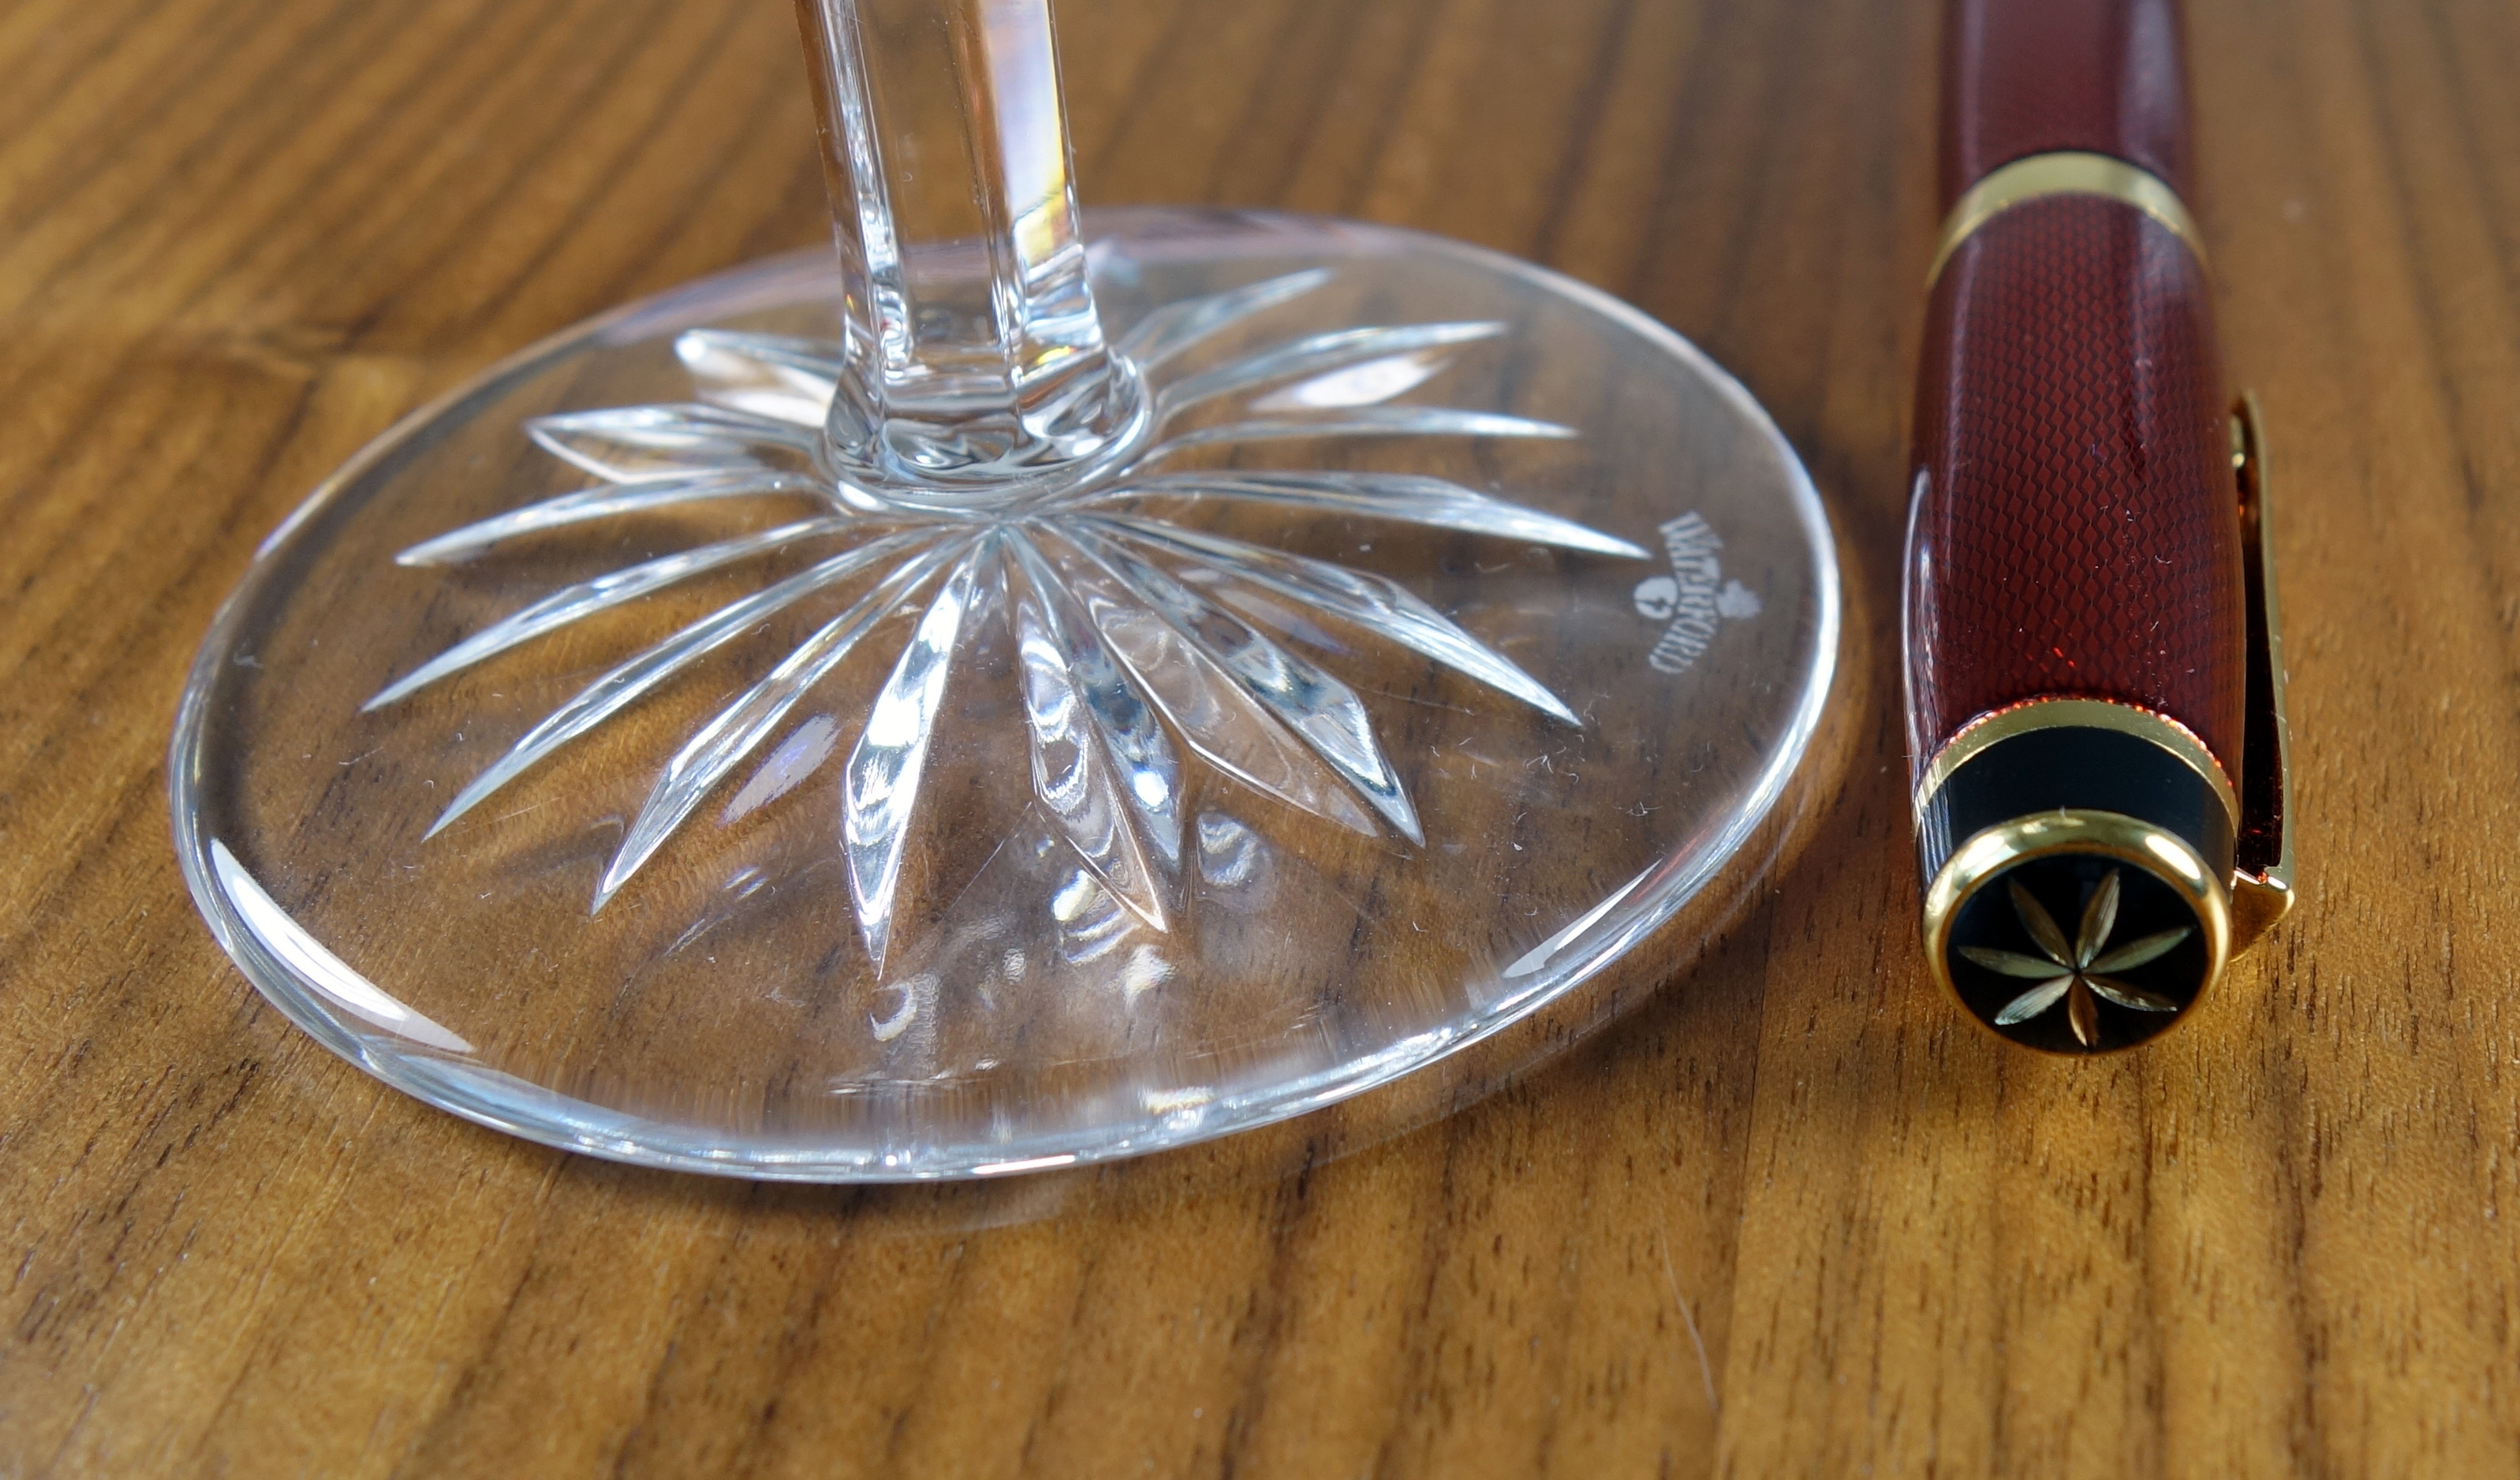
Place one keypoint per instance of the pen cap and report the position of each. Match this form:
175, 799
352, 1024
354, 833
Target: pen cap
2075, 612
2077, 855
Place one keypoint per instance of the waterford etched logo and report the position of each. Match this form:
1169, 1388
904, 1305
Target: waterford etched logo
1695, 599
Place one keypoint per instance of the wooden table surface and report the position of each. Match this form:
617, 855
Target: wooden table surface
1792, 1217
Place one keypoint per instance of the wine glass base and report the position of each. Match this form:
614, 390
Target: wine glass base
1454, 627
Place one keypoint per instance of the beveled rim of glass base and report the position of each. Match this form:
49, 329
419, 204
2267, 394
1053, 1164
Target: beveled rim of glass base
1620, 921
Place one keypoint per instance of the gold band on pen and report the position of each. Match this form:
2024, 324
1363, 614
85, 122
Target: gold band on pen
2000, 725
2066, 172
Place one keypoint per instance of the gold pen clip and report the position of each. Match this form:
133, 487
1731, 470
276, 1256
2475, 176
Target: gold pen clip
2262, 872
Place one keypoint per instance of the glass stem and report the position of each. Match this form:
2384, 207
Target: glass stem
975, 355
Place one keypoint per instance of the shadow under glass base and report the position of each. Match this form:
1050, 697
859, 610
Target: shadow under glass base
579, 762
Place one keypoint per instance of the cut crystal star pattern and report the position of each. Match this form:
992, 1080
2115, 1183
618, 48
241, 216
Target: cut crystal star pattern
1127, 648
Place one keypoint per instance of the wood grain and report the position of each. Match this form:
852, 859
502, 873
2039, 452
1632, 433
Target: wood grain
1792, 1217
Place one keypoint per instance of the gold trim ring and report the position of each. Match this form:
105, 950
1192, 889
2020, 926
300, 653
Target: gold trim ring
1998, 850
2000, 725
2067, 172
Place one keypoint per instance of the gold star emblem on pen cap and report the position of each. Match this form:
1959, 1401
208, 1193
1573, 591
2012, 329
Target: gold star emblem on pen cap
2146, 937
2072, 974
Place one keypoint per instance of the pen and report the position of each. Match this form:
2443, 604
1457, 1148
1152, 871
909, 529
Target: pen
2095, 684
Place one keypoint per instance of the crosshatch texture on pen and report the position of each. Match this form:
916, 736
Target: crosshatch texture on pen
2075, 481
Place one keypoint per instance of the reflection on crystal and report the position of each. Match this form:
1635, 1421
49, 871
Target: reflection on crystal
1145, 970
1071, 903
1176, 1101
605, 501
1234, 866
786, 380
727, 738
1176, 327
1308, 703
1222, 722
1366, 385
883, 778
1130, 630
1092, 924
585, 599
1277, 615
798, 757
318, 967
624, 684
1229, 853
1405, 496
1370, 600
913, 993
1028, 1164
1310, 356
1370, 422
637, 444
1100, 762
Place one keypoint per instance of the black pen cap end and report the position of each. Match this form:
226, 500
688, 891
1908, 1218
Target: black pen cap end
2077, 931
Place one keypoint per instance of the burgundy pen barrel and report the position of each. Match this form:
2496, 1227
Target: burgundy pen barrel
2076, 527
2024, 77
2075, 621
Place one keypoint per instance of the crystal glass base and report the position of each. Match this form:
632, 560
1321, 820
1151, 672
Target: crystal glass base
585, 760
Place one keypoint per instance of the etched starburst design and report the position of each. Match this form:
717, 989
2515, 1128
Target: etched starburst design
1130, 631
2073, 973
